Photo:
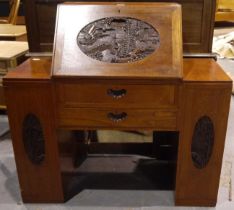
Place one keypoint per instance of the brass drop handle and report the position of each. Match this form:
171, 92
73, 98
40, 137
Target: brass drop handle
117, 117
117, 93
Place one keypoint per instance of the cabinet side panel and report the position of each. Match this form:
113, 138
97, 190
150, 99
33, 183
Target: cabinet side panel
31, 116
204, 115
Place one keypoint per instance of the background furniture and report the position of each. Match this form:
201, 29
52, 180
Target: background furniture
225, 10
13, 32
14, 8
12, 53
198, 24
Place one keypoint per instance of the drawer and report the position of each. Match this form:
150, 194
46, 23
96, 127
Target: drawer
117, 118
116, 95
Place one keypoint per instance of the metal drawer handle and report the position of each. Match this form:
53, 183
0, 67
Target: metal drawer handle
117, 117
117, 93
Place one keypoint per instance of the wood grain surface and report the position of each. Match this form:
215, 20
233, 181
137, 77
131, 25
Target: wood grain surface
204, 91
12, 30
197, 19
195, 186
38, 183
12, 49
95, 94
165, 62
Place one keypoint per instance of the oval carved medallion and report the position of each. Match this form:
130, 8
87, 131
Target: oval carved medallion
118, 39
202, 142
33, 139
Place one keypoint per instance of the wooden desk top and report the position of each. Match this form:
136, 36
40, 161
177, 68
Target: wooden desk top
195, 70
9, 30
11, 49
203, 70
165, 62
33, 68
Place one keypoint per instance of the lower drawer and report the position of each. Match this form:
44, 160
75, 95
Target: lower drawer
113, 118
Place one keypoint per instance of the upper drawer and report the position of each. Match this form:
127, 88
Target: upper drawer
71, 94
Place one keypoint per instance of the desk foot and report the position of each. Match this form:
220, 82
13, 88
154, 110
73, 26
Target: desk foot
208, 203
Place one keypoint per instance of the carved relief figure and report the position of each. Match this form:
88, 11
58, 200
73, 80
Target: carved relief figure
118, 39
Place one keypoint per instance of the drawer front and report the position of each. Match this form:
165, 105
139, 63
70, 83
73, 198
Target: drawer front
111, 95
117, 118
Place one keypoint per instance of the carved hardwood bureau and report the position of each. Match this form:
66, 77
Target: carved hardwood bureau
118, 67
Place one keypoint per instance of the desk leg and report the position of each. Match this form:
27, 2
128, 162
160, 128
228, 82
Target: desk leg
32, 122
203, 123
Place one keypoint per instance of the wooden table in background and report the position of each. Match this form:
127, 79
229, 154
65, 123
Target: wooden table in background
225, 10
13, 32
11, 54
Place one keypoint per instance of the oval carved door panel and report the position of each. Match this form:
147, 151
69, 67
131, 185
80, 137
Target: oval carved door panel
33, 139
202, 142
118, 39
